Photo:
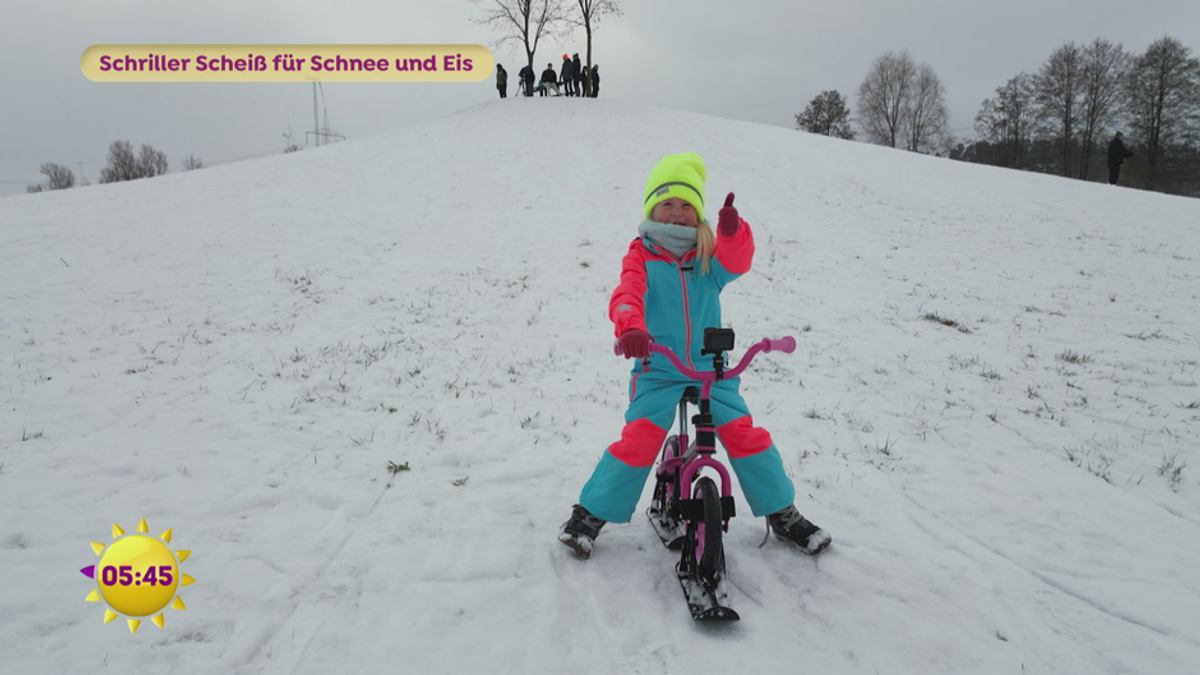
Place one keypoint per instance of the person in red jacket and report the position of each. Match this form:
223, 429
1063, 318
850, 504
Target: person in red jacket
671, 281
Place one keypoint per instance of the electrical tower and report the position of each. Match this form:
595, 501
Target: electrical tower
323, 135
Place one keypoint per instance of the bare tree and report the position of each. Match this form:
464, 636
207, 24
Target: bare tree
1104, 66
1059, 91
152, 162
883, 97
587, 13
827, 115
123, 166
58, 177
1006, 121
192, 162
523, 21
927, 118
1163, 88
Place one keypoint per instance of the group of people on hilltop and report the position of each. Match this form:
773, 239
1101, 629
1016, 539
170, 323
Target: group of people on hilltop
575, 79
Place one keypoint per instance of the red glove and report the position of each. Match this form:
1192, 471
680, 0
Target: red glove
727, 218
634, 343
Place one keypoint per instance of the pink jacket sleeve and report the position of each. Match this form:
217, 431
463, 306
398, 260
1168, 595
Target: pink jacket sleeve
626, 308
735, 253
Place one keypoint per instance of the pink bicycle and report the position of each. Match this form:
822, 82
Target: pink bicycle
689, 511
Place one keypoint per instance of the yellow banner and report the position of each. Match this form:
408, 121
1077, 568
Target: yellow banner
286, 63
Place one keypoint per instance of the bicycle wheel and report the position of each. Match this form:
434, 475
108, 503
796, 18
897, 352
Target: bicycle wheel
708, 552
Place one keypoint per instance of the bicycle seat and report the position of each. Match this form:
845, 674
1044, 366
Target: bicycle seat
691, 395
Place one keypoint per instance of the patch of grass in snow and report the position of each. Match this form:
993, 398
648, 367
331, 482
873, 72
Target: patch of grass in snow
1172, 468
938, 318
1143, 335
1073, 357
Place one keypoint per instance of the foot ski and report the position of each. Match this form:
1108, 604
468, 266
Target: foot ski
669, 530
707, 601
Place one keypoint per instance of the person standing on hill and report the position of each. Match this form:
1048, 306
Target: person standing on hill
577, 72
567, 76
595, 80
1116, 157
502, 80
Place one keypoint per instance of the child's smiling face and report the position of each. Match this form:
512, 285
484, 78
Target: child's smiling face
674, 211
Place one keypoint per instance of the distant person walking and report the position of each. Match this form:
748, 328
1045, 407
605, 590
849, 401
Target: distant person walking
567, 76
595, 80
1116, 157
502, 80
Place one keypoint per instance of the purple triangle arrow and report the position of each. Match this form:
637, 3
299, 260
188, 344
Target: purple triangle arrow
89, 571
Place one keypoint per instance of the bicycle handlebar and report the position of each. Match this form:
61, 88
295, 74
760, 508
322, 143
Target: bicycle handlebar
786, 344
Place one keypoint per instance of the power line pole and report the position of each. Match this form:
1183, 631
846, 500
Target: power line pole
320, 132
316, 117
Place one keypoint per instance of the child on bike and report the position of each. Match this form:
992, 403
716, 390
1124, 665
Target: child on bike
671, 280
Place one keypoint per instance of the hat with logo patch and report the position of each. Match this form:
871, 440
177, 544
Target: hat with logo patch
680, 176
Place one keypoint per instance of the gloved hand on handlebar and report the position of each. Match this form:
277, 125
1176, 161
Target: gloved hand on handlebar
634, 343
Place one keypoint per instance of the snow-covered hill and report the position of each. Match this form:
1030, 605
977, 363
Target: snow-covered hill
240, 353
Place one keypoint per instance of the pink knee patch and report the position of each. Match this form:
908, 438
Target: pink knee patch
639, 444
742, 439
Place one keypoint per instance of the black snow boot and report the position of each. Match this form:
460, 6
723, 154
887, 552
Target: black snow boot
789, 525
580, 531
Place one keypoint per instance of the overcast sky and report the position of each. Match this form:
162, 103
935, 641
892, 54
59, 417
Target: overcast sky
757, 60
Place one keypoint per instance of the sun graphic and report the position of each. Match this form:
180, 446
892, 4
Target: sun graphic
137, 576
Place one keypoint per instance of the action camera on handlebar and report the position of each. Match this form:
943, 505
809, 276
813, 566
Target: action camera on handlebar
717, 340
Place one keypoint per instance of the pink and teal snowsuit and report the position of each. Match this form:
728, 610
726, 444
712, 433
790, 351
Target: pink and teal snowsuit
669, 298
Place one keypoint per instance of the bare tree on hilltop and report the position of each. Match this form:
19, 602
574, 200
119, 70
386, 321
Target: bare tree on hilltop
587, 13
903, 105
928, 119
827, 115
58, 177
192, 162
1163, 88
1058, 87
882, 97
523, 21
1104, 66
1006, 121
123, 165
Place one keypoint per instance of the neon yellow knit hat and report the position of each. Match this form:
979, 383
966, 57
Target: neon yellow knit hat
679, 176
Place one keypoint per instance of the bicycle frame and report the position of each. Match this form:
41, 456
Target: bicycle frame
689, 463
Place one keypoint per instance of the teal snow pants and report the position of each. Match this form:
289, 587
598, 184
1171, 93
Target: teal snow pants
613, 491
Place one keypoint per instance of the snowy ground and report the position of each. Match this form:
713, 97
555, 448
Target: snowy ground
239, 353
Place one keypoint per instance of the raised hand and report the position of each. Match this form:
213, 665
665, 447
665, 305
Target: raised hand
727, 218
